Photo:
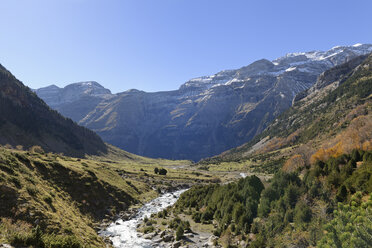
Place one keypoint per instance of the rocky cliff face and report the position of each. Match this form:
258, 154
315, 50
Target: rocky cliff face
334, 112
207, 115
75, 100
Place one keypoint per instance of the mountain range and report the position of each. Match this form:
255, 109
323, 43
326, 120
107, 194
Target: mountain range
312, 163
332, 117
206, 115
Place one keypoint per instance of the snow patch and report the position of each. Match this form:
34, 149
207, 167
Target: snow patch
291, 69
235, 80
202, 79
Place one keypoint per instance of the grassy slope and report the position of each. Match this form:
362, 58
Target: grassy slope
65, 195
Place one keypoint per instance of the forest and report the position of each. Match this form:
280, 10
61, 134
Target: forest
309, 207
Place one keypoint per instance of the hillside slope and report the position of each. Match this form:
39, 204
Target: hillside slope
26, 120
332, 117
319, 155
65, 200
206, 115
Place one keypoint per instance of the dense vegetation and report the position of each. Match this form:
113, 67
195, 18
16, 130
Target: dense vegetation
351, 226
235, 203
291, 209
309, 207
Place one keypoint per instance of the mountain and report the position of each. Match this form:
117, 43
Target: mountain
206, 115
330, 118
319, 155
75, 100
26, 120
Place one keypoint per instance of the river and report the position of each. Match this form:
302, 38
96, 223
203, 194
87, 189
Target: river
124, 233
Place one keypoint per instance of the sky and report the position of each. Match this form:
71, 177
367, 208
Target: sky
157, 45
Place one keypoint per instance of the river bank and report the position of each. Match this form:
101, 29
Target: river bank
123, 232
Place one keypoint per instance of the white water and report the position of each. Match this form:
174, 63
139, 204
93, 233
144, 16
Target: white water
123, 234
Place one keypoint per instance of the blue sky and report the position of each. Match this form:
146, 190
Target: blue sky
157, 45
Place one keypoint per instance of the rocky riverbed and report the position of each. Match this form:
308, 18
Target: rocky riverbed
123, 233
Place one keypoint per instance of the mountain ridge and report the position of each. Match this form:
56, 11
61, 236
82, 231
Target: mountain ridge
206, 115
332, 110
26, 120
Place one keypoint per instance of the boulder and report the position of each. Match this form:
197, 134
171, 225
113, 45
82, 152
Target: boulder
176, 244
168, 238
149, 235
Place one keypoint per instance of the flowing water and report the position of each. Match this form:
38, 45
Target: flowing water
124, 233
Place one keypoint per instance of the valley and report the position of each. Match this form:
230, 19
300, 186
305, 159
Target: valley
185, 124
292, 184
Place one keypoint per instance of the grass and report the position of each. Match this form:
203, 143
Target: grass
68, 197
261, 165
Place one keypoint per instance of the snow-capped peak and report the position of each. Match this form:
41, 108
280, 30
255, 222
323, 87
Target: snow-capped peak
312, 62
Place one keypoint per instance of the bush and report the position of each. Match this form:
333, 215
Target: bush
163, 171
341, 194
179, 233
302, 213
148, 229
32, 190
367, 156
36, 238
61, 241
48, 199
196, 217
208, 214
36, 149
29, 239
351, 226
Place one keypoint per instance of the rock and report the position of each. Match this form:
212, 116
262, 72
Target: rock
189, 235
168, 238
157, 240
176, 244
162, 233
149, 235
211, 240
6, 246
